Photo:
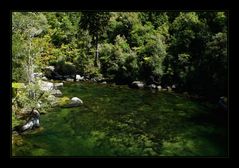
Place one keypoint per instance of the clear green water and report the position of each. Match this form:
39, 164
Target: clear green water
119, 121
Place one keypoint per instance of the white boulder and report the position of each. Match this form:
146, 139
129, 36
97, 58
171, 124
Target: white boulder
78, 77
75, 102
46, 86
137, 84
159, 87
58, 85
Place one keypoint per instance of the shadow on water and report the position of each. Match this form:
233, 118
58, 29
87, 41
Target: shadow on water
118, 121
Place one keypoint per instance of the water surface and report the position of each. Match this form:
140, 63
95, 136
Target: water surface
119, 121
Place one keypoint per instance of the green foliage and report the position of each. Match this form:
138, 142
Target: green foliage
119, 61
63, 101
27, 43
29, 97
151, 56
126, 46
64, 68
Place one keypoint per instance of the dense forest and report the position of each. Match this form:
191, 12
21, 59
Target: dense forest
183, 51
187, 49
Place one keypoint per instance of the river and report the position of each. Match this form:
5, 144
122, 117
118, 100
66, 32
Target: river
119, 121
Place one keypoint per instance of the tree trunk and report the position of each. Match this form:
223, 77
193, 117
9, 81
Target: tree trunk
96, 52
29, 64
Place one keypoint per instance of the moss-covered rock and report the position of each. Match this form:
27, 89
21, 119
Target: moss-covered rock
63, 101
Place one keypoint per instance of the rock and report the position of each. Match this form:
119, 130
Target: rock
93, 80
46, 86
79, 78
152, 86
223, 103
53, 100
44, 78
75, 102
56, 93
32, 122
169, 88
51, 97
37, 75
173, 86
38, 105
159, 88
69, 80
52, 68
164, 89
137, 84
104, 82
58, 85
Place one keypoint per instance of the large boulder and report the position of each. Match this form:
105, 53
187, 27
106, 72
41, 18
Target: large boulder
74, 102
159, 87
58, 85
32, 122
46, 86
137, 84
79, 78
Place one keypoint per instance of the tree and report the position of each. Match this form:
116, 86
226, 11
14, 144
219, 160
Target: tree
95, 22
26, 28
187, 45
